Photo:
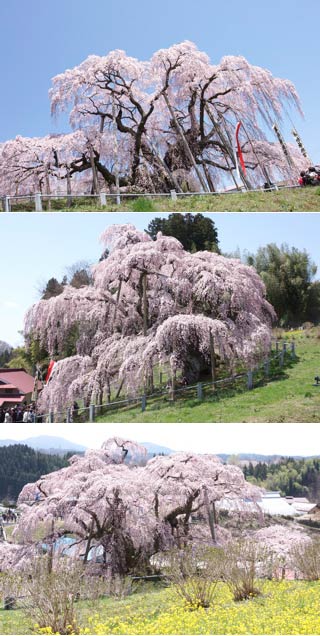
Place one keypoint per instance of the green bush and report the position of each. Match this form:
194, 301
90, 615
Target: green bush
142, 205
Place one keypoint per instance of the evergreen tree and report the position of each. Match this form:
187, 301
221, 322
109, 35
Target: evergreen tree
196, 232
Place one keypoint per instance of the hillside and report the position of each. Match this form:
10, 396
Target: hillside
20, 464
47, 443
291, 398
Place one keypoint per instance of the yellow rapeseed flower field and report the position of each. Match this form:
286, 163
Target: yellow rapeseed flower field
284, 608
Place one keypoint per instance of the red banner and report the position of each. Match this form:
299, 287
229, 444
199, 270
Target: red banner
239, 151
50, 367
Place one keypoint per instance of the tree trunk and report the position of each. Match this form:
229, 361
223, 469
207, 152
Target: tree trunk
171, 176
88, 546
185, 143
94, 171
119, 389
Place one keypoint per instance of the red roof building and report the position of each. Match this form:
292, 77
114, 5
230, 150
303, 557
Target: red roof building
16, 386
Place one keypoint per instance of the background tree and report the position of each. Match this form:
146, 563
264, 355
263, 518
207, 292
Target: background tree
292, 477
52, 288
5, 353
20, 464
288, 276
313, 303
196, 232
79, 274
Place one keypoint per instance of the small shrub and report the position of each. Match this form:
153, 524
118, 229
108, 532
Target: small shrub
142, 205
48, 595
306, 558
119, 587
308, 325
243, 561
195, 573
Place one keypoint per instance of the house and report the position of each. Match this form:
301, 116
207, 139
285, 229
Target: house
314, 513
272, 503
16, 387
301, 505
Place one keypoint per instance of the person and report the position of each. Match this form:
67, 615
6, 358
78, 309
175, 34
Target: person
7, 418
74, 411
310, 176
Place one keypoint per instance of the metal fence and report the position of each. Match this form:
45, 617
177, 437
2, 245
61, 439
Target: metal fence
44, 202
270, 368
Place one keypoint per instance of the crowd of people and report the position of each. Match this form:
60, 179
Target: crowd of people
311, 176
19, 413
8, 516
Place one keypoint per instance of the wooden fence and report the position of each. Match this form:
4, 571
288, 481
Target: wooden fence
268, 369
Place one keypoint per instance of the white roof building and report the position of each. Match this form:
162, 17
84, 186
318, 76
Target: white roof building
273, 504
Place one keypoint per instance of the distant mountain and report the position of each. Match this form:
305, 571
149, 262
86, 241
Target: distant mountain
250, 457
155, 449
59, 445
47, 443
268, 459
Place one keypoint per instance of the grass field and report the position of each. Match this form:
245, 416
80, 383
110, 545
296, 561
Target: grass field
284, 608
295, 200
292, 398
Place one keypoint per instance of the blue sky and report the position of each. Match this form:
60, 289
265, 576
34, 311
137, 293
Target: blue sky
40, 39
267, 439
35, 247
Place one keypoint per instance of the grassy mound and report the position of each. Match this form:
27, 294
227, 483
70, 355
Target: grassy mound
294, 200
290, 398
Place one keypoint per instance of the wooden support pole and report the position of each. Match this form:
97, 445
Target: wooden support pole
116, 165
261, 166
173, 385
213, 361
117, 301
69, 193
228, 154
48, 185
145, 304
210, 514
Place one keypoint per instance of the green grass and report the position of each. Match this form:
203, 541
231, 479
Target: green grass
284, 608
295, 200
291, 398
